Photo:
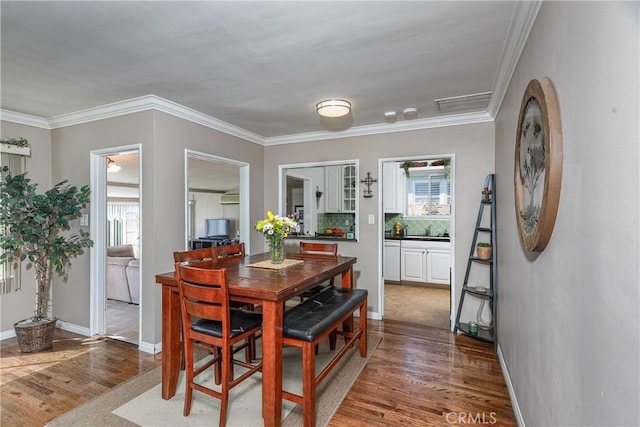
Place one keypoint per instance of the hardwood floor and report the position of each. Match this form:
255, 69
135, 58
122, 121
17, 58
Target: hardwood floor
418, 376
36, 387
424, 376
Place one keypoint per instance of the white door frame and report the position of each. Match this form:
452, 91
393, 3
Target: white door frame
245, 208
452, 232
98, 230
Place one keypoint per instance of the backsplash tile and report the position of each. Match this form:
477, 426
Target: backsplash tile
417, 227
335, 220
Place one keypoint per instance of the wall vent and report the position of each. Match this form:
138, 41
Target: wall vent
466, 103
229, 199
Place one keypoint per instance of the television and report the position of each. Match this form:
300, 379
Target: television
217, 227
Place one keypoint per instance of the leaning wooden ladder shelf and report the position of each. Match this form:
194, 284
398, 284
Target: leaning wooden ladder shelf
486, 330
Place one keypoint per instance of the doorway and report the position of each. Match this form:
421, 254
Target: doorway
123, 246
115, 228
417, 221
216, 188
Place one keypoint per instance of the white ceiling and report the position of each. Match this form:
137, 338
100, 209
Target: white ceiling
258, 66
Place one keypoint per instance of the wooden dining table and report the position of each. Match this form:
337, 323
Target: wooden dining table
267, 287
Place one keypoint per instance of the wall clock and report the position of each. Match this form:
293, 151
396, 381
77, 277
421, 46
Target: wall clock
538, 164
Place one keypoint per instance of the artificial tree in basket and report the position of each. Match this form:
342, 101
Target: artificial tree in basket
35, 229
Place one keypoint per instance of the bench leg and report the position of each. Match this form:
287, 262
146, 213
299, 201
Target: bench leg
363, 327
309, 384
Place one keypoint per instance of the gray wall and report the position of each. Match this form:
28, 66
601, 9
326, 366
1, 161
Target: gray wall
568, 318
473, 149
20, 305
163, 139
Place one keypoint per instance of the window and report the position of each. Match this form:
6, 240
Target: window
10, 271
123, 225
428, 192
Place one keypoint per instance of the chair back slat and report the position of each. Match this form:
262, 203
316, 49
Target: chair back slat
228, 252
320, 250
204, 310
195, 256
204, 293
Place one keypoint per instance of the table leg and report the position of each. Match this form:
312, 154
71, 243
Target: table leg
347, 278
272, 362
170, 341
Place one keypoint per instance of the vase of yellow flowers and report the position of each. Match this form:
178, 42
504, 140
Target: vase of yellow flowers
276, 229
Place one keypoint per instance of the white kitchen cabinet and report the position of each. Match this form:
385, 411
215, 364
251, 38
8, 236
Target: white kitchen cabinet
425, 261
438, 266
340, 188
392, 188
413, 261
391, 261
413, 264
333, 188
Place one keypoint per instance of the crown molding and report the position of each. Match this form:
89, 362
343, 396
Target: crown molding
523, 19
408, 125
24, 119
151, 102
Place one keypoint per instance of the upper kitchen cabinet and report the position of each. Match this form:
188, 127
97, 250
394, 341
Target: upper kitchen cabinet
340, 186
392, 188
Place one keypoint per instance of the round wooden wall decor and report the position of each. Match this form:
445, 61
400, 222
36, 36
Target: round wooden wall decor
538, 164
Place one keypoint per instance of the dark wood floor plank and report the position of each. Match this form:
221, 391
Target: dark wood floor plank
418, 376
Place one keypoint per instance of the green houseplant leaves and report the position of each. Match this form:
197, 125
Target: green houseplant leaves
35, 229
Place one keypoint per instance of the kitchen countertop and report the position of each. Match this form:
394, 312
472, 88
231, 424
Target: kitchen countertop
334, 239
420, 238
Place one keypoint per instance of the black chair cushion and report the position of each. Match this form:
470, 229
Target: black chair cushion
311, 318
241, 321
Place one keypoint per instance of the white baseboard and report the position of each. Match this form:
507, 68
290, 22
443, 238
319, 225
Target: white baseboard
374, 315
512, 393
80, 330
150, 348
7, 334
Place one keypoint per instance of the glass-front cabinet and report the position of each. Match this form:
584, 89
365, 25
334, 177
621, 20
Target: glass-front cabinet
349, 188
340, 183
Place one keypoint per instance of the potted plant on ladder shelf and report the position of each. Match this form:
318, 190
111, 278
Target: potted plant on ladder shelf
32, 224
484, 250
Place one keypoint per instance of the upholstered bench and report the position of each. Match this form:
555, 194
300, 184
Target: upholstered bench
311, 321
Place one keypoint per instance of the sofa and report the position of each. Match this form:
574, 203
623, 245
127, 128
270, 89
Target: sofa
123, 274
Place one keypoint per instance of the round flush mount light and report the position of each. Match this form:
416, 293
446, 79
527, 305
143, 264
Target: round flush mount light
333, 108
410, 113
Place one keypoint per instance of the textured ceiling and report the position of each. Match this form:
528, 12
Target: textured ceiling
260, 66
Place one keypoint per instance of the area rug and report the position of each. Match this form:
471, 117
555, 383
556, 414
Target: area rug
138, 402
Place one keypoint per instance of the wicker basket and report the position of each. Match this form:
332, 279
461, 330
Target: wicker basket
35, 336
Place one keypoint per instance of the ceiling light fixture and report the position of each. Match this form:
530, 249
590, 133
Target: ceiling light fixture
333, 108
112, 167
390, 116
410, 113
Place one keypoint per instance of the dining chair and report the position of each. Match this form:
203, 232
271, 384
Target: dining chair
210, 256
209, 322
318, 250
226, 253
195, 256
